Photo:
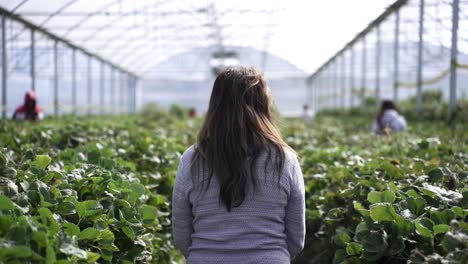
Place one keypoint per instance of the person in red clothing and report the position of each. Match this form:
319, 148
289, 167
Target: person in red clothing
29, 110
192, 112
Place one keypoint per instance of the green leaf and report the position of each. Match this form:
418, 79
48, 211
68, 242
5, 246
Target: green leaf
106, 237
66, 208
442, 217
71, 228
396, 246
92, 257
94, 156
415, 205
435, 175
360, 208
341, 237
89, 233
89, 208
403, 226
374, 241
382, 212
6, 203
128, 231
381, 197
353, 249
441, 229
41, 162
424, 226
392, 172
458, 211
50, 255
15, 252
149, 214
49, 220
68, 248
137, 191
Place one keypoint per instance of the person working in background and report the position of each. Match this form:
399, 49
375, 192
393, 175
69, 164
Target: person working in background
192, 112
389, 118
307, 113
29, 110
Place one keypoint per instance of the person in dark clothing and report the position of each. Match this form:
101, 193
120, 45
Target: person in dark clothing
29, 110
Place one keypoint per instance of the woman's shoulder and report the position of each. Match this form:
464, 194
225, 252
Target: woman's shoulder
289, 154
188, 154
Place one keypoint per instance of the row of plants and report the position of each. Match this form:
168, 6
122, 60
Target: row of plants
394, 199
86, 190
80, 190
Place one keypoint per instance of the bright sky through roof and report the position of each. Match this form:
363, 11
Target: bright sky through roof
304, 32
312, 31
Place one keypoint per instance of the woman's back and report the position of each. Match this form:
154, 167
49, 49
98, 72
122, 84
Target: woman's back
268, 227
239, 194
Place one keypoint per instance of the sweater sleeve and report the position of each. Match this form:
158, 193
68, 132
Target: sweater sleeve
295, 212
182, 217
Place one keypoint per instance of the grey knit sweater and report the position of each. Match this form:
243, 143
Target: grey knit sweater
268, 227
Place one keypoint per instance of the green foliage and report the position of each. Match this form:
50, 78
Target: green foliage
81, 190
383, 199
88, 191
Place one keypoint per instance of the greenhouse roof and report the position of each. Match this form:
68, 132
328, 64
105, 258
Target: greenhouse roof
137, 35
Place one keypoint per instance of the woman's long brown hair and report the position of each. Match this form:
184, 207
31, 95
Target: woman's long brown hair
238, 127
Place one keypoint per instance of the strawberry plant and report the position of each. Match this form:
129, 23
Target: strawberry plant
87, 190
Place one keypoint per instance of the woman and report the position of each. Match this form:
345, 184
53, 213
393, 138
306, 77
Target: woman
239, 192
388, 118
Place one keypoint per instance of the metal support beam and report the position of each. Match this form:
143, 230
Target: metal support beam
420, 58
136, 87
336, 84
102, 102
112, 89
56, 102
453, 58
89, 86
396, 55
17, 18
122, 92
351, 78
364, 71
33, 60
343, 81
73, 72
4, 69
377, 65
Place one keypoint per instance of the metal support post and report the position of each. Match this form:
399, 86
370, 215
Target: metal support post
336, 83
129, 92
396, 55
112, 89
351, 78
420, 58
453, 58
56, 102
101, 89
4, 69
343, 80
362, 93
74, 104
33, 60
89, 85
377, 66
122, 91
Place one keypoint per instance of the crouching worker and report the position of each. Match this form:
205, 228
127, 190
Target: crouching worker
29, 110
389, 118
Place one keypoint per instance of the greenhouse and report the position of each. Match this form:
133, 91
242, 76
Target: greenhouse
221, 131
